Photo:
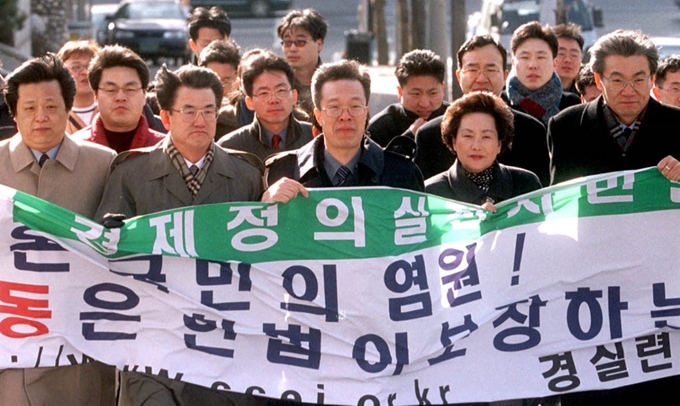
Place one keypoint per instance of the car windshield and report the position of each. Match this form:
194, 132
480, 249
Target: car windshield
579, 14
518, 13
139, 11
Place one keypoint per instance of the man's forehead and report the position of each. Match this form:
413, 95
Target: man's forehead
341, 89
533, 45
569, 44
485, 55
672, 77
297, 32
277, 76
110, 73
50, 90
422, 82
626, 65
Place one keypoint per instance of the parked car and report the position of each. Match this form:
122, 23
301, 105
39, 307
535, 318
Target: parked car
151, 28
500, 18
255, 8
667, 46
98, 13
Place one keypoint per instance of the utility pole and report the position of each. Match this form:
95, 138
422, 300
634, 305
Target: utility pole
458, 24
403, 41
379, 31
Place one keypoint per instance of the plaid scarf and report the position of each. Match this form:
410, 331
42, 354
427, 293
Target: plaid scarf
541, 103
193, 182
616, 128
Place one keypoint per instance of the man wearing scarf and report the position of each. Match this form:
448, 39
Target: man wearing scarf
187, 168
533, 85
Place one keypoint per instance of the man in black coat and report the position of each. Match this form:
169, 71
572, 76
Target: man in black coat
624, 128
481, 67
342, 155
420, 74
533, 86
268, 84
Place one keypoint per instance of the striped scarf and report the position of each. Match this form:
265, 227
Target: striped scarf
193, 182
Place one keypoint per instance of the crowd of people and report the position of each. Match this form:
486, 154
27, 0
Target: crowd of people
90, 131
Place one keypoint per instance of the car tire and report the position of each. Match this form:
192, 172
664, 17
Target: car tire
260, 8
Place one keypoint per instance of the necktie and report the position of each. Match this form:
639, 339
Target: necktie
622, 139
43, 159
275, 141
341, 176
194, 170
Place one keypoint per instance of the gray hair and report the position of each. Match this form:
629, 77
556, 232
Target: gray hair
623, 43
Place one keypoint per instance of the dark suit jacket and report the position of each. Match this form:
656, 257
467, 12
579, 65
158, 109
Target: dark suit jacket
145, 181
395, 120
584, 146
507, 182
253, 139
530, 148
375, 168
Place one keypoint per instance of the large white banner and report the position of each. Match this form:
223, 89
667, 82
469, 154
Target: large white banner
358, 296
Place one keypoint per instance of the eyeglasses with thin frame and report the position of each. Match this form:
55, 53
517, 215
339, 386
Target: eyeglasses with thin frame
190, 114
618, 84
112, 91
675, 91
266, 95
336, 111
476, 71
76, 68
287, 43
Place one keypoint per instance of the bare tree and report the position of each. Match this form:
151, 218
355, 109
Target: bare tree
403, 28
418, 24
49, 25
379, 31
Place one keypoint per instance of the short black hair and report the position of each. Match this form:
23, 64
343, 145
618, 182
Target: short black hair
569, 31
623, 43
214, 17
308, 19
264, 63
221, 52
480, 41
420, 62
193, 77
342, 70
670, 64
38, 70
112, 56
585, 78
531, 30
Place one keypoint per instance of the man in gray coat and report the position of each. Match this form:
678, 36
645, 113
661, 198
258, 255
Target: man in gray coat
187, 168
268, 82
41, 160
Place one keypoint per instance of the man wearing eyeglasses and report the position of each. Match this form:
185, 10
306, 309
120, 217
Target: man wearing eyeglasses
481, 68
667, 84
187, 168
268, 85
302, 33
342, 155
624, 128
43, 161
76, 56
119, 77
